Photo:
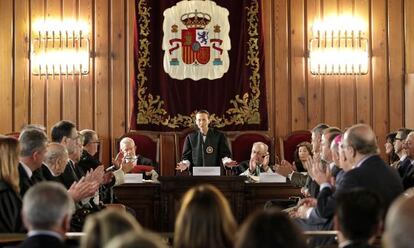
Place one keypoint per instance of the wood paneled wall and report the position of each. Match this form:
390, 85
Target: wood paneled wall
301, 100
297, 100
98, 100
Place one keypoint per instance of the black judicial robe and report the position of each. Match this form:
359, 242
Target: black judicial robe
208, 152
47, 174
87, 162
25, 181
10, 207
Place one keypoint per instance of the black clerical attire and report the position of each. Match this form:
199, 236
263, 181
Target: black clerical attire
47, 174
88, 162
25, 181
205, 153
70, 175
10, 207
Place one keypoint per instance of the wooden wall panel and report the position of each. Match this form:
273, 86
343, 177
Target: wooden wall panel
86, 82
54, 83
37, 83
297, 63
69, 84
281, 81
409, 62
101, 43
6, 65
396, 64
347, 83
363, 82
21, 64
379, 69
315, 86
118, 82
296, 99
331, 83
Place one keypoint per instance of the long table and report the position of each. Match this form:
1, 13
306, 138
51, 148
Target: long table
156, 205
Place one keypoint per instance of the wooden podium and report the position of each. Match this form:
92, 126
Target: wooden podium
156, 205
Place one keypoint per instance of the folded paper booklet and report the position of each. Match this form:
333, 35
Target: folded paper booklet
206, 171
133, 178
271, 178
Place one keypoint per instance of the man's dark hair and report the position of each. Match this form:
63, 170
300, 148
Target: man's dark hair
61, 129
403, 133
332, 132
318, 129
359, 213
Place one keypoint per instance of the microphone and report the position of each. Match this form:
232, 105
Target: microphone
202, 154
111, 168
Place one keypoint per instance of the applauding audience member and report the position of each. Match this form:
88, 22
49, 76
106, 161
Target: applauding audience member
204, 220
259, 161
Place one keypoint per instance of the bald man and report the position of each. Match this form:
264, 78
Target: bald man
399, 222
131, 159
259, 161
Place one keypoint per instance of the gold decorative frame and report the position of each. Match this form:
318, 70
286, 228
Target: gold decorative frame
243, 110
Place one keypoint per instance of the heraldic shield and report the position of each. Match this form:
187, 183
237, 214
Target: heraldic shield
196, 43
196, 47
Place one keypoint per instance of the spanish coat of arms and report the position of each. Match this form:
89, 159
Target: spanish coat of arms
196, 40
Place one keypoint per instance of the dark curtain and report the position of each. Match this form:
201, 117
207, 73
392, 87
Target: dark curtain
237, 101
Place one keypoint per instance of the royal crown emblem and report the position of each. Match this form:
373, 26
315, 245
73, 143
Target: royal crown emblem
196, 42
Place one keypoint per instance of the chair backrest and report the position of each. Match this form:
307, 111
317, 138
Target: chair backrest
179, 139
14, 134
289, 143
241, 145
147, 145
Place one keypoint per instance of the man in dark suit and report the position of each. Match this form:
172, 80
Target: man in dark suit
46, 228
259, 161
358, 218
33, 142
369, 171
205, 147
407, 165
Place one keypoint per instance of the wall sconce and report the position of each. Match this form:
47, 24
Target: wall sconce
339, 47
59, 48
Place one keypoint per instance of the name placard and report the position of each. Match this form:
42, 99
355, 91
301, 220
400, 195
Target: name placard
271, 178
133, 178
206, 171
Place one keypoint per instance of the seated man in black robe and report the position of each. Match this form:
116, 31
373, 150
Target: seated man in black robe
205, 147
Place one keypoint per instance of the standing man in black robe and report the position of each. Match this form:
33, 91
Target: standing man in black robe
205, 147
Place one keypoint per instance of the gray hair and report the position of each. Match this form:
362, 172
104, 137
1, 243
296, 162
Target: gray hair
32, 140
126, 140
54, 152
46, 204
262, 145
